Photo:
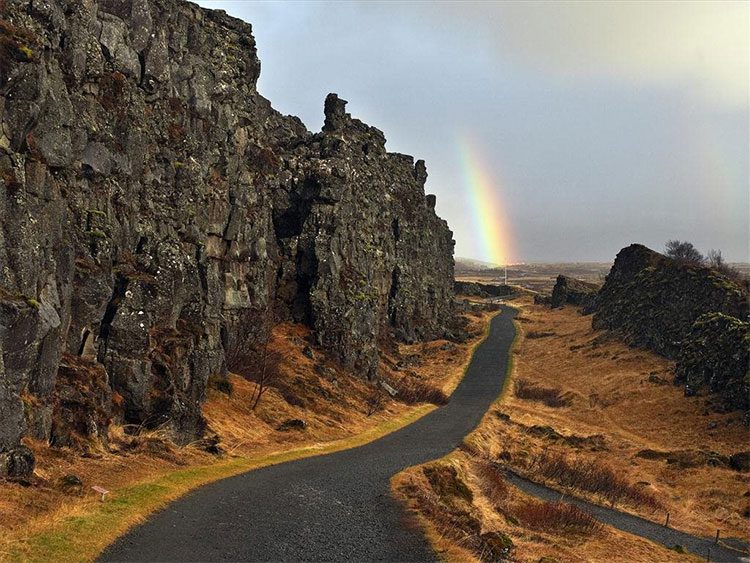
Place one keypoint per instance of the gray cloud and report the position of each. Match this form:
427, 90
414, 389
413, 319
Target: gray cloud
602, 123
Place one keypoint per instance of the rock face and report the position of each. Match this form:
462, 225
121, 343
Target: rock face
716, 354
685, 312
151, 197
478, 289
573, 292
653, 301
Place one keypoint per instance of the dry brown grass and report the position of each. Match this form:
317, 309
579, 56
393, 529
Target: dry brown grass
615, 411
592, 477
558, 517
460, 530
550, 396
413, 391
616, 408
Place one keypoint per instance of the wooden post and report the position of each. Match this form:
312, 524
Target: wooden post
717, 537
666, 524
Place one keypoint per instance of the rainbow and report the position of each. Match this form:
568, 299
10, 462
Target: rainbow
489, 220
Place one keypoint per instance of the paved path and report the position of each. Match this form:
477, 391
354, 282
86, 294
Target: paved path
337, 507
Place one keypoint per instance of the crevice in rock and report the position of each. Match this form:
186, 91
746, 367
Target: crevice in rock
142, 61
118, 293
307, 273
289, 222
395, 274
85, 333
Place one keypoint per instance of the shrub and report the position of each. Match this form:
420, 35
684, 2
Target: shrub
683, 252
557, 517
221, 383
248, 351
715, 261
593, 477
540, 334
445, 481
550, 396
412, 391
447, 508
492, 482
373, 402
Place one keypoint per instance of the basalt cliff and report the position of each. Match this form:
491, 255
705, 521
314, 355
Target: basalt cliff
690, 313
152, 199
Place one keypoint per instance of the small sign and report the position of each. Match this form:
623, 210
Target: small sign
101, 490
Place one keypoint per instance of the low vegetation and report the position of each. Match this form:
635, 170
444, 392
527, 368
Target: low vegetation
550, 396
412, 391
558, 517
685, 252
328, 407
492, 483
592, 476
16, 44
589, 452
441, 495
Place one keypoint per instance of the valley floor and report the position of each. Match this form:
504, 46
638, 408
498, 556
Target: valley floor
595, 419
57, 515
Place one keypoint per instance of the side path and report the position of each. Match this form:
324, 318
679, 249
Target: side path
329, 508
703, 547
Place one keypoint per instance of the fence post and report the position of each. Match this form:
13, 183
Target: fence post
717, 536
666, 524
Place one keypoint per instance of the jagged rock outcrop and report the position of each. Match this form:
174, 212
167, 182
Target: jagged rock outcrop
716, 354
652, 301
573, 292
478, 289
151, 197
681, 311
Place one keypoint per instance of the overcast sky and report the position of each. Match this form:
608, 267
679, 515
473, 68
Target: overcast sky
600, 124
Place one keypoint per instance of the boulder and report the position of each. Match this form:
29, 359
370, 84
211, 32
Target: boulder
17, 463
740, 461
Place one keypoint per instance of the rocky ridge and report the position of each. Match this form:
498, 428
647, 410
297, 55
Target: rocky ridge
154, 204
686, 312
484, 290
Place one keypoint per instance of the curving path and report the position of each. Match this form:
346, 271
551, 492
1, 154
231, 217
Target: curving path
334, 507
338, 507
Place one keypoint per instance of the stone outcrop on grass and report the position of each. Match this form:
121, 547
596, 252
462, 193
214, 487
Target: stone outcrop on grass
686, 312
570, 291
151, 198
478, 289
